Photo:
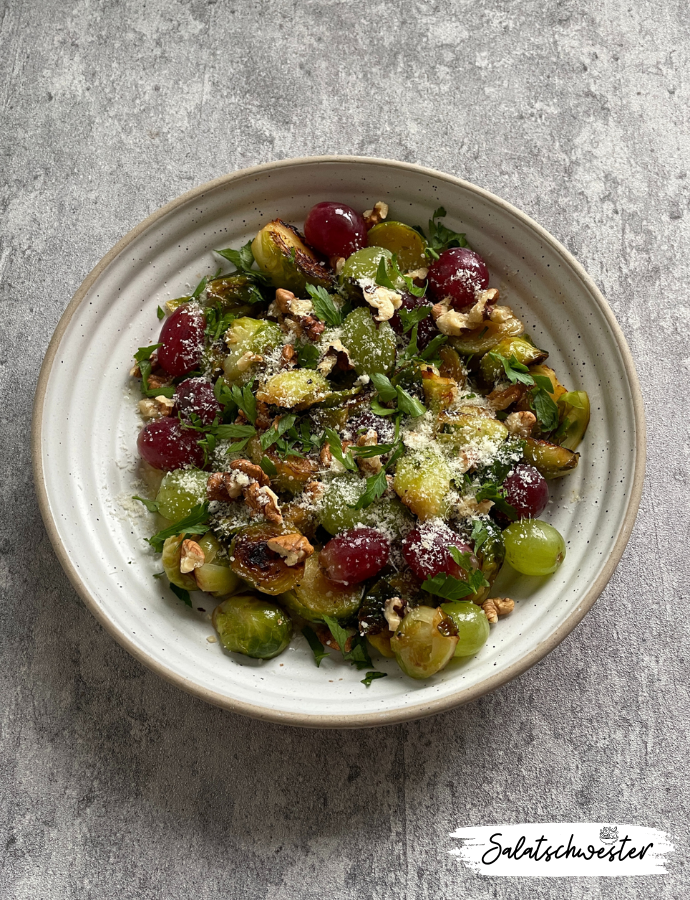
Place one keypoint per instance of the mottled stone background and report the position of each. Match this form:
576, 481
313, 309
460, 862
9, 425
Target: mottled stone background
112, 783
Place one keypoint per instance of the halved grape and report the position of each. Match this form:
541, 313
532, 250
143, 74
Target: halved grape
425, 549
371, 348
458, 273
472, 624
165, 444
195, 396
534, 547
355, 556
335, 229
364, 263
182, 337
180, 491
527, 491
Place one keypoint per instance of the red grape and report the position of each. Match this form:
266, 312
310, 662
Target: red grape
426, 330
335, 229
195, 396
355, 555
182, 337
527, 491
425, 549
165, 444
458, 273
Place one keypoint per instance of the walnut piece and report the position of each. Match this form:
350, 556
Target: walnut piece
453, 323
393, 612
191, 556
157, 408
262, 501
377, 214
287, 356
497, 606
383, 300
502, 398
467, 507
294, 548
252, 471
521, 423
372, 465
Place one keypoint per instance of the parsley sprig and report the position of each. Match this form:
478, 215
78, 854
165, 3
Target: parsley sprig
243, 261
325, 308
543, 404
451, 588
358, 653
143, 358
195, 523
440, 237
383, 279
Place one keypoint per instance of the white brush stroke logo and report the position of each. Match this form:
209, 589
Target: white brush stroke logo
563, 849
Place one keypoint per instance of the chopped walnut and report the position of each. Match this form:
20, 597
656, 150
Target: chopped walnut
314, 490
157, 408
311, 327
377, 214
191, 557
451, 322
497, 606
215, 487
262, 501
325, 455
501, 398
467, 507
287, 356
289, 305
252, 471
383, 300
501, 314
295, 548
135, 371
334, 353
246, 360
339, 264
393, 612
159, 381
372, 465
521, 423
263, 419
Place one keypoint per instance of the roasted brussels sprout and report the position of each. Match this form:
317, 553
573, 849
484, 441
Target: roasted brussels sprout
249, 624
407, 244
422, 481
337, 513
234, 292
439, 392
180, 491
251, 559
316, 596
170, 558
574, 415
472, 625
550, 459
297, 389
452, 366
371, 348
467, 428
548, 372
487, 337
521, 348
281, 253
246, 338
424, 642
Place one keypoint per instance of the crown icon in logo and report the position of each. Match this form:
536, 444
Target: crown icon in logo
609, 834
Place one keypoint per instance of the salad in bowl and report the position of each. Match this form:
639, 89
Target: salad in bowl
348, 435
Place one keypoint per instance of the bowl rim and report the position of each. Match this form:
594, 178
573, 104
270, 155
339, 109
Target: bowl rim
370, 719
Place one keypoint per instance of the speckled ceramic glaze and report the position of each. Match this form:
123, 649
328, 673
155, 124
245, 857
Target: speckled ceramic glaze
85, 428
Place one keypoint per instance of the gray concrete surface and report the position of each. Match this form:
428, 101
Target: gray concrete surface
112, 783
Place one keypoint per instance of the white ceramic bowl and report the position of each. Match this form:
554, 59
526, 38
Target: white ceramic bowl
85, 427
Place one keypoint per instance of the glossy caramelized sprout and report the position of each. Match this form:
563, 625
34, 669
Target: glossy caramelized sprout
357, 448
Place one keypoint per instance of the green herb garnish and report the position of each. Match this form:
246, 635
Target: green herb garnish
315, 644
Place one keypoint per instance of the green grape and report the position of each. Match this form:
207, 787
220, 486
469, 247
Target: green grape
248, 624
180, 491
336, 511
473, 626
371, 348
534, 547
421, 647
364, 263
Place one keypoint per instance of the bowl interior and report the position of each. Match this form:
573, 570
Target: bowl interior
87, 426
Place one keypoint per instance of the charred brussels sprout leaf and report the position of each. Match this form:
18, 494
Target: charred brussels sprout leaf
251, 559
574, 418
550, 459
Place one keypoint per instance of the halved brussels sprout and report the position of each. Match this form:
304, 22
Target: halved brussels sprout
574, 415
487, 337
316, 596
370, 348
407, 244
180, 491
215, 576
170, 558
452, 366
548, 372
234, 292
336, 512
281, 253
248, 624
472, 625
296, 389
521, 348
550, 459
439, 392
424, 642
469, 428
248, 336
293, 472
252, 560
422, 481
